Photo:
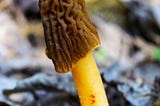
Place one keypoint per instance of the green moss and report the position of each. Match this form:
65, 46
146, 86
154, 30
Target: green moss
156, 54
111, 10
157, 103
100, 54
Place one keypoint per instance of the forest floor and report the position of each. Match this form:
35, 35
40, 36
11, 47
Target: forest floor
27, 75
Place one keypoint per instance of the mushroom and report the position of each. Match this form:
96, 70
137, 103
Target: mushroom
70, 39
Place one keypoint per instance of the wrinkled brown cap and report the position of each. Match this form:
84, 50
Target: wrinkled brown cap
68, 31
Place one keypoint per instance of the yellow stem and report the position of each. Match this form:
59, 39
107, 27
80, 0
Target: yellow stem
88, 83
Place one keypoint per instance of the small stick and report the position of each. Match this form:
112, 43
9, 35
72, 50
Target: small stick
4, 4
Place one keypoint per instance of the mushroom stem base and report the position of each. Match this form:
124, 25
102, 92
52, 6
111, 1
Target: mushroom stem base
88, 83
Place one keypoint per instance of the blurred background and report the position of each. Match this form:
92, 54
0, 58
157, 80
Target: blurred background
128, 58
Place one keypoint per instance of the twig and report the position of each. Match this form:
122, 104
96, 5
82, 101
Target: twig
43, 82
4, 4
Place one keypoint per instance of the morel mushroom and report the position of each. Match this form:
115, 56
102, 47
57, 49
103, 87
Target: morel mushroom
70, 38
